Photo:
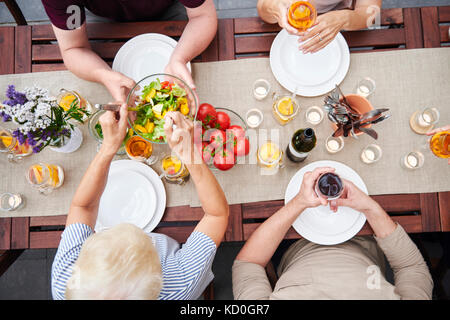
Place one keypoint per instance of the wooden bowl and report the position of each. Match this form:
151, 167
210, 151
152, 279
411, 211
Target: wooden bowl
361, 105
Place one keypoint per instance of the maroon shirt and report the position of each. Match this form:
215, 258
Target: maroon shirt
118, 10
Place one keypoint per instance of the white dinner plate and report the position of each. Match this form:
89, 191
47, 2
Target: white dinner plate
321, 225
128, 197
144, 55
309, 74
152, 201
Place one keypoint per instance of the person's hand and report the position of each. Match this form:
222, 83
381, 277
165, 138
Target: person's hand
181, 137
307, 197
325, 29
118, 85
434, 131
281, 15
178, 68
114, 127
354, 198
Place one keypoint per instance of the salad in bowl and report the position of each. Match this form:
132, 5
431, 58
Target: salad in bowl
151, 98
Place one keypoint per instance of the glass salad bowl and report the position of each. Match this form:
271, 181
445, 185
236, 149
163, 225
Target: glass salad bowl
151, 98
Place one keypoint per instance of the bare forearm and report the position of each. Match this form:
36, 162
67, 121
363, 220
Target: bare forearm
196, 37
211, 195
85, 64
363, 16
94, 180
265, 240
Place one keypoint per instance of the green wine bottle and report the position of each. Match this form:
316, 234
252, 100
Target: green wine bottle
301, 144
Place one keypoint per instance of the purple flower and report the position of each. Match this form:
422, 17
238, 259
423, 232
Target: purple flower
31, 142
14, 97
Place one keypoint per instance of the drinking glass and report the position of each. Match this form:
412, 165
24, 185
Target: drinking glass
140, 150
10, 145
174, 170
45, 177
423, 121
261, 89
440, 144
302, 15
371, 154
69, 98
329, 186
10, 201
269, 157
413, 160
254, 118
334, 144
365, 87
314, 115
284, 108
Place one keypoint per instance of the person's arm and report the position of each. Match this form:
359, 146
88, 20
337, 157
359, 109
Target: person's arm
84, 206
86, 64
211, 195
411, 275
197, 35
263, 242
329, 24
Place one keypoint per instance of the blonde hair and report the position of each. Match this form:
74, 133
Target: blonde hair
117, 263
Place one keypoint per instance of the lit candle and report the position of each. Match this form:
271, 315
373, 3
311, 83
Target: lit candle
333, 145
253, 120
369, 154
314, 116
261, 91
363, 90
412, 161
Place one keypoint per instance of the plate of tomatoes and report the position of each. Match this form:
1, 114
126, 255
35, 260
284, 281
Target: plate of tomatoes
224, 137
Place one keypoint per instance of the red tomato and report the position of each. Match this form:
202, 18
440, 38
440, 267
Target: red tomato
207, 153
223, 120
216, 137
237, 131
207, 114
242, 147
224, 159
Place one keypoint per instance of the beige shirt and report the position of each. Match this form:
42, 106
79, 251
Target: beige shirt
323, 6
351, 270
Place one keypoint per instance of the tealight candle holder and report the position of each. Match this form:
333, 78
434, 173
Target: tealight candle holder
413, 160
314, 115
10, 201
254, 118
365, 87
261, 89
371, 154
334, 144
423, 121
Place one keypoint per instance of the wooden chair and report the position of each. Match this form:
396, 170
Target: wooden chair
436, 28
15, 11
37, 49
252, 37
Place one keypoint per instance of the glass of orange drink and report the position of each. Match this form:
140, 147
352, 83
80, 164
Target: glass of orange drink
140, 149
174, 171
10, 145
70, 98
269, 157
45, 177
284, 108
302, 15
440, 144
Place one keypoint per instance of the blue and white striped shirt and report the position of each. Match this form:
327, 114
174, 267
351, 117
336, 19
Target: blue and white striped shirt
186, 270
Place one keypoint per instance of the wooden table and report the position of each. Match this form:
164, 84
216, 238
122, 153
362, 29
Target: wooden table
33, 49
